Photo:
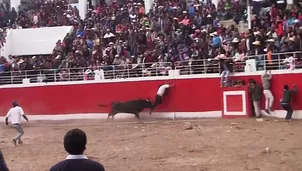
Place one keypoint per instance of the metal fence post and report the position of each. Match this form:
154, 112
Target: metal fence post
264, 59
68, 74
204, 66
156, 69
128, 73
143, 66
279, 61
113, 73
11, 77
55, 75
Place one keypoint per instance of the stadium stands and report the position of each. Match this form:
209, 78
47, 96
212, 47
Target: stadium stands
124, 42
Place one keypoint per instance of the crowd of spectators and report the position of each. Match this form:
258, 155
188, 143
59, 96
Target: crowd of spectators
172, 34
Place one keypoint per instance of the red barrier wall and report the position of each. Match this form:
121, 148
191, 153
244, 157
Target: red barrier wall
189, 95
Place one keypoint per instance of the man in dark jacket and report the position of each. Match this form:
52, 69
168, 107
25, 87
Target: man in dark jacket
75, 144
286, 101
3, 166
256, 93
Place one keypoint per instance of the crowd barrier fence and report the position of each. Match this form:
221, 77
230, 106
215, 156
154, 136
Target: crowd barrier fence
280, 61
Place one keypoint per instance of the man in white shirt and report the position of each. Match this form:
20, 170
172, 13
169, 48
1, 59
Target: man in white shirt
159, 95
15, 114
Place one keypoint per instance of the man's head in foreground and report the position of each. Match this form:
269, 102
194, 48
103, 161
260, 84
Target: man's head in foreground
75, 142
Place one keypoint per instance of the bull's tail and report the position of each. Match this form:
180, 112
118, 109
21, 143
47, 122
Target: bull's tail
102, 105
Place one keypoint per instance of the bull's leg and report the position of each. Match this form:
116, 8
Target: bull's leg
108, 117
111, 114
151, 110
137, 115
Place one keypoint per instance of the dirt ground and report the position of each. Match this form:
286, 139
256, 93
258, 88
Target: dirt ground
164, 145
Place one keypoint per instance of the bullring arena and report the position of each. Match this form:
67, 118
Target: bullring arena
226, 139
61, 60
212, 144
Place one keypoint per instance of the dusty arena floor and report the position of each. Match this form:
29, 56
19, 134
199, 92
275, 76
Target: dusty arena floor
212, 145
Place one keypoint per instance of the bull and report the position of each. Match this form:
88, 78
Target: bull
134, 107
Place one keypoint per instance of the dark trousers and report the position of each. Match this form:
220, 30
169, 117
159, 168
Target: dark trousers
158, 100
289, 110
3, 166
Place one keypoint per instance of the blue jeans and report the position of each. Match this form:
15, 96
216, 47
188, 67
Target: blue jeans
224, 77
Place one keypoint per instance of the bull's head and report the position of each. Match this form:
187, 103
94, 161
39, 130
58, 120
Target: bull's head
149, 103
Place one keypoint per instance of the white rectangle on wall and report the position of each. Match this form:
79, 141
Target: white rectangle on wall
230, 93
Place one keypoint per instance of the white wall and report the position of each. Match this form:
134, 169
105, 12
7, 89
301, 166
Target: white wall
148, 5
82, 7
6, 49
15, 4
34, 41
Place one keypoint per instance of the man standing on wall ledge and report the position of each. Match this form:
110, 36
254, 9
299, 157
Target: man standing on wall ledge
15, 114
286, 101
269, 98
160, 94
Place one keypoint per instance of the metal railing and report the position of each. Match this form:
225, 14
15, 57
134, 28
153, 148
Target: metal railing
87, 73
207, 66
201, 66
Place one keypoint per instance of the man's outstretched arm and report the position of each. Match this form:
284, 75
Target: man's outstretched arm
25, 117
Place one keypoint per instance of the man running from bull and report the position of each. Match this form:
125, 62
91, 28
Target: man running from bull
286, 101
160, 94
15, 114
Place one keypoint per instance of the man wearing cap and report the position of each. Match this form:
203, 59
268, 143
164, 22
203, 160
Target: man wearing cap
15, 114
269, 98
216, 41
75, 144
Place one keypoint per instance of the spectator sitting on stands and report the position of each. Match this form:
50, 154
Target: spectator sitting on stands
13, 16
289, 63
